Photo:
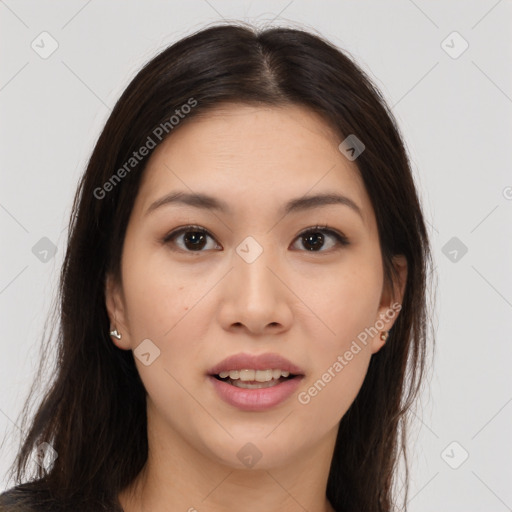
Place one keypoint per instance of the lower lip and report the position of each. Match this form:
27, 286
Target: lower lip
255, 399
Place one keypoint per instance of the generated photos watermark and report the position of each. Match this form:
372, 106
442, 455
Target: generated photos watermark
304, 397
157, 135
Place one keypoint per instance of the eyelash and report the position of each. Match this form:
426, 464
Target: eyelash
341, 239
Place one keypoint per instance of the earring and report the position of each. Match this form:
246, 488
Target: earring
384, 335
115, 334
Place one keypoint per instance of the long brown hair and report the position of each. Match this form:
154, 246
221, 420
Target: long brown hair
93, 413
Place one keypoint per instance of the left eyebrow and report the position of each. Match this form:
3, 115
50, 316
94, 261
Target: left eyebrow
316, 201
206, 202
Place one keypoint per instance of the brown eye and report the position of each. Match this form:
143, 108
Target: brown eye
195, 239
314, 239
192, 238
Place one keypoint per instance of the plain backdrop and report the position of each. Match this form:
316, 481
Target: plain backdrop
444, 67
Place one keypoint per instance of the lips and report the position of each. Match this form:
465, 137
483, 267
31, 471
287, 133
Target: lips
255, 400
253, 396
265, 361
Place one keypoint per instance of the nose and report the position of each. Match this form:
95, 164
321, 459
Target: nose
255, 296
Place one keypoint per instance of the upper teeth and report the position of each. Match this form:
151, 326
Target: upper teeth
257, 375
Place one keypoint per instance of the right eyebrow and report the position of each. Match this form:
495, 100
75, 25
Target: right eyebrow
197, 200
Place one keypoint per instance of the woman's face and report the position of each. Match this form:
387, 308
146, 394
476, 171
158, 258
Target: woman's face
255, 282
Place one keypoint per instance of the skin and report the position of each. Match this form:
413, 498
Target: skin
200, 307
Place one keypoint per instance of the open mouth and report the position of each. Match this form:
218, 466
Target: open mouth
257, 389
255, 384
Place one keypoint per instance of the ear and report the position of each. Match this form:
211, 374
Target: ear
391, 303
114, 301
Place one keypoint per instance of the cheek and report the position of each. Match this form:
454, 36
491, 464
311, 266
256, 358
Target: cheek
329, 392
345, 304
163, 305
341, 352
340, 361
159, 296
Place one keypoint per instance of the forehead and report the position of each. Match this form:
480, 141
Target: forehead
253, 153
234, 130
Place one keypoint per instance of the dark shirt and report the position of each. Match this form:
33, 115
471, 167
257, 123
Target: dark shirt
24, 498
18, 499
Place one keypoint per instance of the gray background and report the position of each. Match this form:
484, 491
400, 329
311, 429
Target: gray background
454, 111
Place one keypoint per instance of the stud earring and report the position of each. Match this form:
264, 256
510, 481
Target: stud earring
384, 335
115, 334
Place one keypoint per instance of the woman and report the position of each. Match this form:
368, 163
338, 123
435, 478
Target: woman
243, 294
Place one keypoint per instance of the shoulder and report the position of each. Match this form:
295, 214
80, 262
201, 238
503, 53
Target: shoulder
23, 498
34, 497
